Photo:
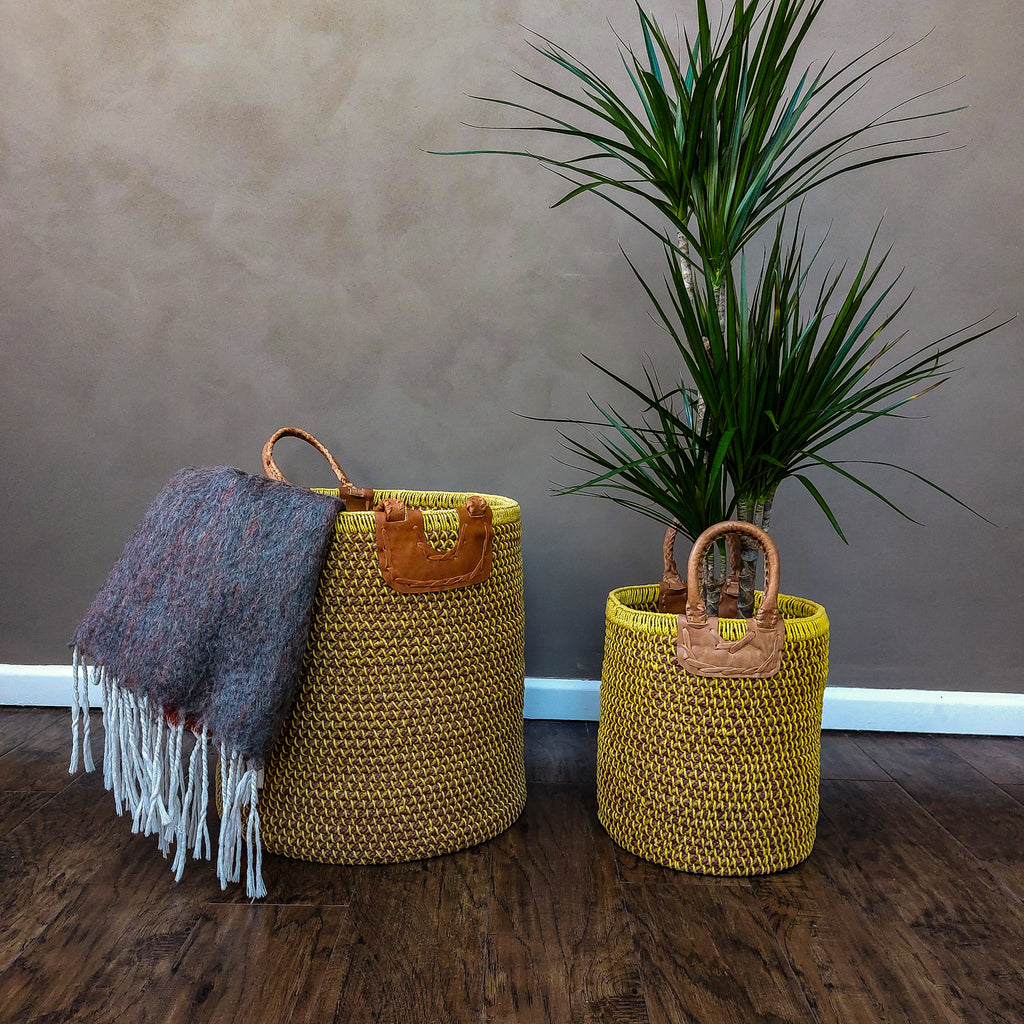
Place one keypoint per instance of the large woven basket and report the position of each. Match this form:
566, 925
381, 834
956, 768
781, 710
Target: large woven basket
406, 737
715, 776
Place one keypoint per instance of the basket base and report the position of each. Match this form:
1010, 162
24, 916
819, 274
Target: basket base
704, 855
306, 825
386, 838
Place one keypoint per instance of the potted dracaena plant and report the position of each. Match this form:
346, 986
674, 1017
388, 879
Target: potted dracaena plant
708, 753
709, 143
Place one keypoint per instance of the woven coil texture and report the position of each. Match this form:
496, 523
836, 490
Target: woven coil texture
710, 776
406, 736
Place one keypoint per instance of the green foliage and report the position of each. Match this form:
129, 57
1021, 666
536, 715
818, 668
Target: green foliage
705, 147
721, 145
669, 466
785, 374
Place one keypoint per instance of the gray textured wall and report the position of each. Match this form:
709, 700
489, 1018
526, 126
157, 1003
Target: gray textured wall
219, 218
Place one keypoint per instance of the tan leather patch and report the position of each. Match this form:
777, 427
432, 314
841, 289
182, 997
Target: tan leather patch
411, 565
357, 499
701, 651
672, 598
672, 590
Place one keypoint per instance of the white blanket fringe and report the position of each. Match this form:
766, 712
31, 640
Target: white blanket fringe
144, 768
80, 735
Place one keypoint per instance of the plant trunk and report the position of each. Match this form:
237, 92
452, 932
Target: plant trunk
714, 580
715, 569
685, 265
720, 301
759, 512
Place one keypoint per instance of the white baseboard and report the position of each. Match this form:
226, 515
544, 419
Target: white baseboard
846, 707
936, 711
569, 700
40, 686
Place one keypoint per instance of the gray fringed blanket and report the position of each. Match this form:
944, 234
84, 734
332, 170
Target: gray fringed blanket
201, 627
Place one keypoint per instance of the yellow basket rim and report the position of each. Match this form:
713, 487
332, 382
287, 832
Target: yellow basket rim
438, 516
804, 619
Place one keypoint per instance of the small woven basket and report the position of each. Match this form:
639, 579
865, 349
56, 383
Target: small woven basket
715, 776
405, 739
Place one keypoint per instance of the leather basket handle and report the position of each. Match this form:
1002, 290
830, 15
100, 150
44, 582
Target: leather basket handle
411, 565
357, 499
672, 590
700, 649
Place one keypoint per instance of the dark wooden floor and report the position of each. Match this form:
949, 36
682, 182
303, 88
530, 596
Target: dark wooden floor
910, 908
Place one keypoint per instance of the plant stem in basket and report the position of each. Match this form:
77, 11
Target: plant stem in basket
759, 512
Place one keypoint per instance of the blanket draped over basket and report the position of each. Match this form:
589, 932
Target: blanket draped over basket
405, 739
200, 629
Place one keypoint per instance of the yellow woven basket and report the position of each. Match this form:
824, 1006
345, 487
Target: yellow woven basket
715, 776
406, 736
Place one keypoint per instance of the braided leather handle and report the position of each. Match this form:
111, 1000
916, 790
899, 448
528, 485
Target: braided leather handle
700, 649
270, 466
356, 498
769, 610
